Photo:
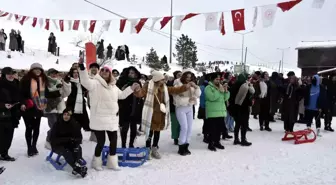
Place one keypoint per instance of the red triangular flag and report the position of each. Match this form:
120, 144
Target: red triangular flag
16, 17
188, 16
221, 24
238, 19
61, 24
34, 22
92, 26
76, 25
164, 21
285, 6
22, 20
47, 24
4, 15
140, 24
122, 25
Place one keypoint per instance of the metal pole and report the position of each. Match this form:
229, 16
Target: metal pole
171, 33
280, 65
283, 53
242, 55
245, 60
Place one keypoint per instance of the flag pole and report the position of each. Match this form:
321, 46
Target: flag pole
171, 33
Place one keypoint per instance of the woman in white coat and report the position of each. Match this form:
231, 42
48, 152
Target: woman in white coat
104, 118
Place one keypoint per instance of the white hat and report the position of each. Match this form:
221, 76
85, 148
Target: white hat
157, 76
36, 66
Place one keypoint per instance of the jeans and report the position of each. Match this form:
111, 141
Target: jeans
229, 122
184, 116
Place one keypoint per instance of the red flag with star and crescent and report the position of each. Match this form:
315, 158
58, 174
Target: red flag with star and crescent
238, 19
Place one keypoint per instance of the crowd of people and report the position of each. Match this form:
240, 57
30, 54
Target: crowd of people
150, 104
15, 41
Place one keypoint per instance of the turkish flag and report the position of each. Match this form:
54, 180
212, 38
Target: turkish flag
92, 26
122, 25
34, 22
23, 20
165, 21
47, 24
61, 23
285, 6
76, 25
238, 19
140, 24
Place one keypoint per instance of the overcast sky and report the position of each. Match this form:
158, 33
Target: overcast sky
300, 23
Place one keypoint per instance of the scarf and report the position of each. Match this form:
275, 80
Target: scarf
79, 97
147, 111
263, 89
38, 98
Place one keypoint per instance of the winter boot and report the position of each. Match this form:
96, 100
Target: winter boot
226, 136
81, 170
97, 163
268, 129
187, 149
34, 150
6, 157
244, 142
206, 138
175, 141
249, 129
236, 142
318, 132
47, 145
30, 152
211, 147
219, 146
155, 153
112, 162
182, 150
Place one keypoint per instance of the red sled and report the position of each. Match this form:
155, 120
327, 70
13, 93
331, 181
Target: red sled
300, 136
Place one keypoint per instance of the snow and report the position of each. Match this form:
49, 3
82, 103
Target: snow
268, 161
317, 44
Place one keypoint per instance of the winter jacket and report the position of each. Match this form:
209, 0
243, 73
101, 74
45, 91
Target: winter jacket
202, 97
71, 101
215, 101
321, 101
13, 45
10, 94
109, 51
3, 37
19, 41
182, 100
52, 44
63, 133
104, 98
64, 91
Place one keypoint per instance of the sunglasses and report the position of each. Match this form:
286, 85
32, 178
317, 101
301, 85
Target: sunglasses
105, 70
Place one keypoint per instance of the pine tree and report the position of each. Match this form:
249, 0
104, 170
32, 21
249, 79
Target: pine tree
186, 52
152, 60
164, 63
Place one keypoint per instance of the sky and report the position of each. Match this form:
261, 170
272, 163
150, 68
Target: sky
302, 23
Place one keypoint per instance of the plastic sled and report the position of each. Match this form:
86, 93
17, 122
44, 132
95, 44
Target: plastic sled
128, 157
57, 163
300, 136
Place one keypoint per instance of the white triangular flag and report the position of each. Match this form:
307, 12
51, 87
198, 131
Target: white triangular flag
70, 24
318, 4
211, 21
134, 22
55, 23
268, 14
85, 24
41, 21
178, 22
10, 17
106, 25
154, 20
255, 17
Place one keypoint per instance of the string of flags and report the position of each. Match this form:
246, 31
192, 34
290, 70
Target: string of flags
266, 12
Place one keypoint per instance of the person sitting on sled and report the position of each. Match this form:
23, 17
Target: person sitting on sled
65, 140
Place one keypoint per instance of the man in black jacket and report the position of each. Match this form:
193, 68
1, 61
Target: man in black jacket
331, 96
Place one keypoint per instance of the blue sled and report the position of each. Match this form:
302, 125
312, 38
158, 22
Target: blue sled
128, 157
57, 163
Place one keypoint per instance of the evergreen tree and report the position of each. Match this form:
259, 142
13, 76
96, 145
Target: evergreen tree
164, 63
186, 52
152, 60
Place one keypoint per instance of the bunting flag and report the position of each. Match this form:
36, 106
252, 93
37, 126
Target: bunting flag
47, 23
221, 24
34, 22
255, 17
286, 6
268, 14
76, 25
154, 20
55, 23
61, 24
92, 25
106, 25
41, 22
165, 21
211, 20
133, 24
4, 14
17, 17
23, 20
122, 25
238, 19
85, 22
140, 24
69, 24
10, 16
179, 19
318, 4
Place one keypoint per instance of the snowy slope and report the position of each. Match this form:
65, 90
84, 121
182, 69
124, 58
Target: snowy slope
269, 161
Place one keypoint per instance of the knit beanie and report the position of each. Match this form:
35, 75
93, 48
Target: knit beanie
157, 76
36, 66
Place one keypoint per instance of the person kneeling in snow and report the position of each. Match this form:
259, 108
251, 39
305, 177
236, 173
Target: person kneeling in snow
104, 116
65, 137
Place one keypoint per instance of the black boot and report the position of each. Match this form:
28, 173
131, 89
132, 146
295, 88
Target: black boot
328, 128
34, 150
226, 136
206, 138
6, 157
175, 141
255, 116
219, 146
249, 129
182, 150
211, 147
245, 143
187, 149
30, 152
236, 141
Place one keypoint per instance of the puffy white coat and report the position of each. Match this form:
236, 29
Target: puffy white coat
182, 99
103, 101
65, 91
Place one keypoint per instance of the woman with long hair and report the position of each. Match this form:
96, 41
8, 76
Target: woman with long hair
184, 110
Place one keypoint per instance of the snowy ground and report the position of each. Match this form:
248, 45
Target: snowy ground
268, 162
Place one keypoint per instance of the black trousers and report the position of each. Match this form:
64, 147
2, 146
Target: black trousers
242, 122
124, 130
32, 130
83, 120
264, 114
101, 142
156, 139
310, 115
71, 154
215, 126
328, 116
205, 129
6, 137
